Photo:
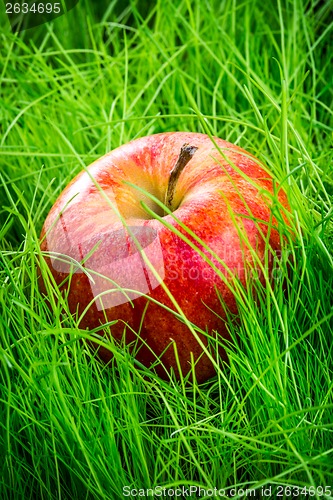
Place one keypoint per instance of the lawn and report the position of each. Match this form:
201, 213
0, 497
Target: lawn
258, 74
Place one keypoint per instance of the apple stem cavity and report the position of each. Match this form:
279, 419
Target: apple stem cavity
186, 153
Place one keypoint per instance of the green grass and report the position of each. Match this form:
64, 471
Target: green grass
258, 74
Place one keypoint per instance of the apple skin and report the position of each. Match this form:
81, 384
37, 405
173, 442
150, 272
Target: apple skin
212, 198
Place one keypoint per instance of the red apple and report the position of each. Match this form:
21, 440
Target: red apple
116, 261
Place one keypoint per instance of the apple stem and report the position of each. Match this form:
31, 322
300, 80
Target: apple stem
186, 153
